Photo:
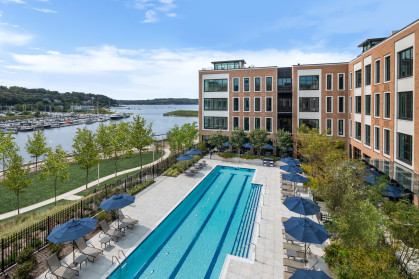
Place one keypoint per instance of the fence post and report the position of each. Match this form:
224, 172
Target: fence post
141, 177
2, 255
153, 171
125, 184
48, 225
106, 191
81, 208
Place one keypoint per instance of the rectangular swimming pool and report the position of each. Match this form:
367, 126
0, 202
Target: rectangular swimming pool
214, 220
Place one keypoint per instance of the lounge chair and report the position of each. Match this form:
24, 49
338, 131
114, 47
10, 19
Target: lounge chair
189, 173
287, 274
92, 251
112, 233
58, 270
292, 266
126, 221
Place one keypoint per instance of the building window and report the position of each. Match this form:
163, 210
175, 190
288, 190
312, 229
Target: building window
357, 104
226, 65
350, 128
268, 104
257, 104
235, 122
284, 105
341, 82
367, 133
268, 84
341, 127
285, 123
377, 72
246, 124
357, 153
405, 105
350, 104
215, 123
368, 74
377, 138
387, 105
236, 104
309, 82
236, 84
406, 63
268, 124
257, 122
215, 104
367, 104
246, 84
215, 85
329, 127
386, 141
377, 105
404, 148
257, 84
284, 85
350, 80
246, 104
329, 82
309, 104
329, 104
341, 104
310, 123
387, 69
358, 79
358, 131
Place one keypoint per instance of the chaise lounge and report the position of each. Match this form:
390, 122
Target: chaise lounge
59, 270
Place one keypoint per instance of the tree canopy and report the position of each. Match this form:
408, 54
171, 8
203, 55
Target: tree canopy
37, 146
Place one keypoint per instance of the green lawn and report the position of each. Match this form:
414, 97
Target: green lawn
40, 191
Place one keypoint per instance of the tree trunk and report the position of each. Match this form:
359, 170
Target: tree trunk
87, 176
141, 161
36, 164
55, 190
18, 209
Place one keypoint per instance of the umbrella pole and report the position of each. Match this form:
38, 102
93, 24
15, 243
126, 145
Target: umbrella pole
73, 251
305, 252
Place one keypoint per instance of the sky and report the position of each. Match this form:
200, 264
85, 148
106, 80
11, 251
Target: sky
145, 49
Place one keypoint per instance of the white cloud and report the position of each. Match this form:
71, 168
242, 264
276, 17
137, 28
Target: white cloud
13, 1
139, 73
12, 38
47, 11
172, 15
150, 17
143, 4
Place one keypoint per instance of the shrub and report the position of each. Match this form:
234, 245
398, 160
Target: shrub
103, 215
36, 242
138, 188
27, 255
23, 270
55, 249
248, 156
227, 155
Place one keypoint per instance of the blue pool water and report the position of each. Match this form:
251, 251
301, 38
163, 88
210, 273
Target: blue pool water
214, 220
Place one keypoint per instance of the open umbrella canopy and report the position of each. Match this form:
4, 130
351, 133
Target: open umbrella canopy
194, 152
370, 180
305, 230
393, 191
301, 206
372, 172
295, 177
309, 274
291, 168
117, 202
227, 144
247, 145
184, 158
268, 146
290, 160
72, 230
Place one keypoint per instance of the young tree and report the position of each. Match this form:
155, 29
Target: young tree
188, 134
16, 177
217, 139
103, 141
237, 138
174, 138
7, 147
85, 150
120, 141
37, 146
258, 138
140, 135
55, 167
283, 140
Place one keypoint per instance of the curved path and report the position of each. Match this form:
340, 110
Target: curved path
71, 194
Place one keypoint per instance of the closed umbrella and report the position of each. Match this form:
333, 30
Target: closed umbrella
301, 206
394, 192
291, 168
193, 152
184, 158
72, 230
309, 274
305, 230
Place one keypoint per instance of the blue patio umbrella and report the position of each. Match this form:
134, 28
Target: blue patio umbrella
370, 180
227, 144
117, 202
72, 230
194, 152
393, 191
290, 160
305, 230
309, 274
247, 145
372, 172
291, 168
295, 177
301, 206
184, 158
269, 146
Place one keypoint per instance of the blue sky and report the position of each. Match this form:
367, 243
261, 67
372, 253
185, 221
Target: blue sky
143, 49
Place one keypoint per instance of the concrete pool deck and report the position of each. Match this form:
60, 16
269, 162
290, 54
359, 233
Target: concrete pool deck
157, 201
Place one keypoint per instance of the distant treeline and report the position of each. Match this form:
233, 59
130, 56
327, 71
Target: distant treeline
41, 99
162, 101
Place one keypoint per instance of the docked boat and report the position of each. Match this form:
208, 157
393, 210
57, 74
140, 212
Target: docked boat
116, 116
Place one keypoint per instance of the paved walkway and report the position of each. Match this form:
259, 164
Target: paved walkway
71, 194
157, 201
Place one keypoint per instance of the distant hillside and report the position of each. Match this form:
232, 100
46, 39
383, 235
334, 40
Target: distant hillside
162, 101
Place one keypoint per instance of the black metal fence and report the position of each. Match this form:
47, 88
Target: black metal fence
35, 235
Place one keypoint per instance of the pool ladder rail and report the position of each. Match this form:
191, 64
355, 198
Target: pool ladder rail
244, 246
119, 257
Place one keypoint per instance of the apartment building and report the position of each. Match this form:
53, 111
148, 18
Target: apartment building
369, 101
